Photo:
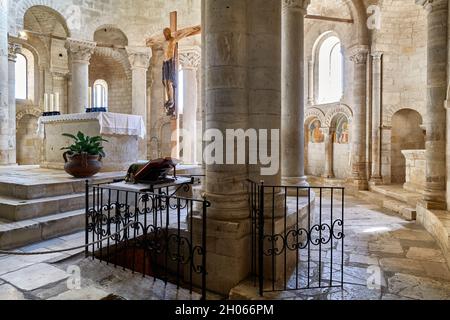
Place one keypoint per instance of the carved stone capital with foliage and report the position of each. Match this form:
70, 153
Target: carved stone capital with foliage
297, 5
80, 50
358, 54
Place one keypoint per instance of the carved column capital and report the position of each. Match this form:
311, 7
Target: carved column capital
190, 59
358, 54
296, 5
377, 55
13, 50
139, 57
80, 50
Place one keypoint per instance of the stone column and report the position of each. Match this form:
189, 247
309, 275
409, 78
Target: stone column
156, 104
311, 83
203, 80
328, 136
4, 103
358, 55
14, 49
376, 177
434, 197
293, 95
242, 79
140, 61
189, 63
80, 52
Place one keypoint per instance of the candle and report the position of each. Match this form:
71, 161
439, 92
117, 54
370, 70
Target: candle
57, 106
52, 102
46, 102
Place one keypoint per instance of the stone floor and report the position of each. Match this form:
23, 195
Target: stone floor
385, 257
70, 276
381, 249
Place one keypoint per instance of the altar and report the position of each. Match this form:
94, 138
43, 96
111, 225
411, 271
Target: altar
121, 130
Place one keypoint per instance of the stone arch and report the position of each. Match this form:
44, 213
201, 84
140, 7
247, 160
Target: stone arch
312, 113
119, 56
114, 27
28, 141
393, 109
34, 111
406, 134
340, 145
58, 7
339, 109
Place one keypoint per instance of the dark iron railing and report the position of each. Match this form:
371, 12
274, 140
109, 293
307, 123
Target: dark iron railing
297, 237
157, 233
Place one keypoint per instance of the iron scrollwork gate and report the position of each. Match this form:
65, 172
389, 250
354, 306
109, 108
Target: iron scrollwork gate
153, 233
297, 238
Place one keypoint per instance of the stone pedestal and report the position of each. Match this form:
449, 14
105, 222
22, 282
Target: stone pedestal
80, 52
121, 149
415, 170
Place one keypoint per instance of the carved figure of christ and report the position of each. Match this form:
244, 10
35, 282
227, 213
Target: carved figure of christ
169, 41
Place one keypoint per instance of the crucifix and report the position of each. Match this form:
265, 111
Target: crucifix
169, 42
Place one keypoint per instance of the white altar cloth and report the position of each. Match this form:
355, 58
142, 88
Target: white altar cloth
110, 123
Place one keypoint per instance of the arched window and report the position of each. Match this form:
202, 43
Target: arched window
331, 63
21, 77
100, 94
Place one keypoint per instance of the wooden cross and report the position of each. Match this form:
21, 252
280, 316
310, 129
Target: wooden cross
177, 35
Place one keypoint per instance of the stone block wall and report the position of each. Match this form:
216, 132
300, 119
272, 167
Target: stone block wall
316, 159
119, 85
29, 143
341, 160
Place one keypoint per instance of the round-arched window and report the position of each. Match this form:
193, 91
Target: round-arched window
331, 62
100, 94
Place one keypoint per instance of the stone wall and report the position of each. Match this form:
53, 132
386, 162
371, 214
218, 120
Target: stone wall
29, 144
341, 160
316, 159
402, 40
119, 85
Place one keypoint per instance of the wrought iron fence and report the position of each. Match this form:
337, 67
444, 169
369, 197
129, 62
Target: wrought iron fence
159, 233
297, 237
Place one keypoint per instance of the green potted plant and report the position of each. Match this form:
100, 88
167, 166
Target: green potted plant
83, 158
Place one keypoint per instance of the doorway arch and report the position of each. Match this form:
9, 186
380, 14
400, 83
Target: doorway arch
407, 134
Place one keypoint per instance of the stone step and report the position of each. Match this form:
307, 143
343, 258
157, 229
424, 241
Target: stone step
17, 210
407, 212
398, 193
18, 234
437, 223
39, 187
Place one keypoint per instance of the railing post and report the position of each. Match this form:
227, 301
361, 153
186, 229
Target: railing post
261, 239
86, 239
205, 205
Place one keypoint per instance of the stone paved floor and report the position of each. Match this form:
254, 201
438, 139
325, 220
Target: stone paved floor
54, 277
385, 258
380, 248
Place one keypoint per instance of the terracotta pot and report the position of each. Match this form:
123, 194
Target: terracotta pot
82, 165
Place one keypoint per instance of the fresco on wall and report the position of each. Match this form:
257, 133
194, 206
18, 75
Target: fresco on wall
315, 132
341, 135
